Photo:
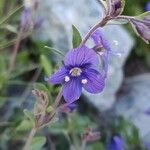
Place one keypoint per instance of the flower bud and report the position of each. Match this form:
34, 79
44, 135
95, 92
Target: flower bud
29, 19
143, 29
26, 20
116, 7
68, 108
42, 102
91, 135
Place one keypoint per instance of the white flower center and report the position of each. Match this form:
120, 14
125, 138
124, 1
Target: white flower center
84, 81
67, 79
75, 71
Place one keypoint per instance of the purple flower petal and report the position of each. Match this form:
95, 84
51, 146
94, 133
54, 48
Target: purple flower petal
72, 90
38, 22
95, 81
81, 56
72, 106
148, 6
116, 143
68, 107
58, 77
105, 58
100, 39
26, 19
147, 112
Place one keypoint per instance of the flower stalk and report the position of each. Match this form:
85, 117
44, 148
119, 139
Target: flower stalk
29, 139
94, 28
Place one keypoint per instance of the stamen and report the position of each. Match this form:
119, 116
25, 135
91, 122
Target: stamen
116, 43
84, 81
67, 79
101, 52
75, 71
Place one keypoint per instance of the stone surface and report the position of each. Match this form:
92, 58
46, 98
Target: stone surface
135, 101
84, 14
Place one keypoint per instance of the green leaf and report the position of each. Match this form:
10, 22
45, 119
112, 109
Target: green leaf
29, 115
46, 65
141, 16
54, 50
49, 109
2, 64
10, 14
76, 37
37, 143
11, 28
20, 71
24, 126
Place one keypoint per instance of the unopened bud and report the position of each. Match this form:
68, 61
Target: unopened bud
143, 30
91, 135
116, 7
42, 102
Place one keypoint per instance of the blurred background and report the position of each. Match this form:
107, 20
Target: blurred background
121, 110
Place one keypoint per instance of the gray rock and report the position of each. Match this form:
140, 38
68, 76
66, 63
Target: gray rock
61, 14
135, 101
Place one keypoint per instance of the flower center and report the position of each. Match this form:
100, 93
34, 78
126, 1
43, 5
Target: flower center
75, 71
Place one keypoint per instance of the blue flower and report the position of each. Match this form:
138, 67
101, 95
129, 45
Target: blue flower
103, 48
116, 143
80, 70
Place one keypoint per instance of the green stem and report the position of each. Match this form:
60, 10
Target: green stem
96, 26
15, 51
29, 140
83, 145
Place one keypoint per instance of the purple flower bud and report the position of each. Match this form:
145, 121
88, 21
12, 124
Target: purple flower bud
116, 143
29, 19
67, 108
26, 19
143, 29
148, 6
91, 135
116, 7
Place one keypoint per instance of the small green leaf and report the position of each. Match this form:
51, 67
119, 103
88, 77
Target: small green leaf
46, 65
76, 38
29, 115
142, 16
24, 126
2, 64
11, 28
49, 109
37, 143
54, 50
